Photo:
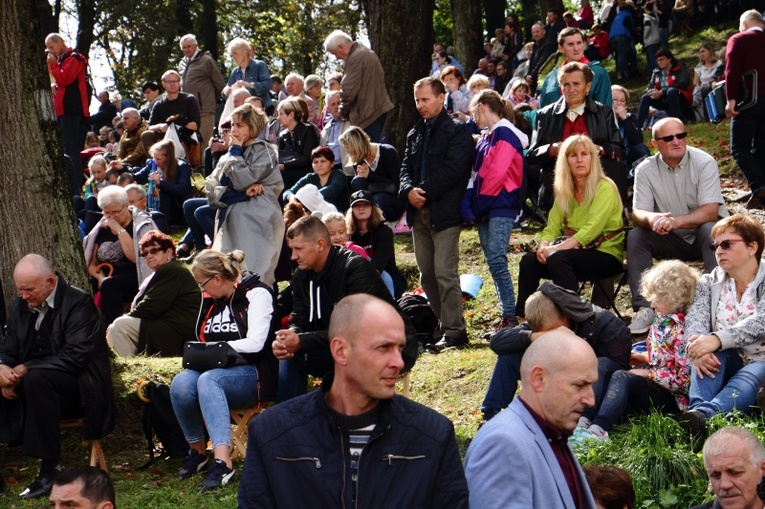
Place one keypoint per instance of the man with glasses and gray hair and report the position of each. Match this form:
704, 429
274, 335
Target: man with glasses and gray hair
676, 202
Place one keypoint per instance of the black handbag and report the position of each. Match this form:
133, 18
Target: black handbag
201, 356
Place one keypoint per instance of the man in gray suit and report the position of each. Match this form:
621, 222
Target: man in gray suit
521, 458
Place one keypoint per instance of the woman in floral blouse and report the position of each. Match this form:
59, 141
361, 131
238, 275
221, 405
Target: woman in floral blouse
662, 381
726, 325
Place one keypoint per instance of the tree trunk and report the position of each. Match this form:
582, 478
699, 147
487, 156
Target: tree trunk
48, 16
530, 13
35, 207
494, 15
401, 33
86, 16
468, 35
210, 28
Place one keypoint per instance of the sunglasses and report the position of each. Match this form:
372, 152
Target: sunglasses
667, 139
150, 251
725, 244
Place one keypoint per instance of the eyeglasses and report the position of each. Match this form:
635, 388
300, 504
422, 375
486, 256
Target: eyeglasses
724, 245
113, 213
150, 251
202, 285
667, 139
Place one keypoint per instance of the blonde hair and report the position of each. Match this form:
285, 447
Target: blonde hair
356, 143
563, 185
670, 283
541, 311
211, 263
331, 217
97, 160
253, 117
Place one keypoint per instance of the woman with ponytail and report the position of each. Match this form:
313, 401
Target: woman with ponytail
236, 308
496, 190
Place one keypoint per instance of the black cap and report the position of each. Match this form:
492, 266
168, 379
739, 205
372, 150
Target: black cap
362, 195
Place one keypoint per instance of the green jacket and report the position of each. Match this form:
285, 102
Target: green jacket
168, 309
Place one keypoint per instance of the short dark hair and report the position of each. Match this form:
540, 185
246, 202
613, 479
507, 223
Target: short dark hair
311, 228
664, 52
96, 484
156, 237
323, 151
611, 487
435, 84
276, 79
150, 85
568, 32
577, 66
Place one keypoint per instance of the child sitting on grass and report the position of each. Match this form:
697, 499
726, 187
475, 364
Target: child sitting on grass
661, 378
338, 233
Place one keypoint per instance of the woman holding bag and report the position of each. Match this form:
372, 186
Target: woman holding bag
245, 187
236, 308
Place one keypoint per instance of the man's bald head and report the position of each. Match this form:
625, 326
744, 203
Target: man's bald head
34, 264
348, 316
35, 279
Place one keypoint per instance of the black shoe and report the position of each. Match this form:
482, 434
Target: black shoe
218, 476
694, 423
448, 342
40, 487
182, 252
755, 201
194, 463
191, 257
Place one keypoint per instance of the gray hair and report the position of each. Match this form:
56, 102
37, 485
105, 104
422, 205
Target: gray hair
721, 439
131, 112
110, 195
134, 187
190, 37
54, 37
311, 81
237, 43
293, 75
42, 266
751, 15
335, 39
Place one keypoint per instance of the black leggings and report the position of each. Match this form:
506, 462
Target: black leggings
565, 268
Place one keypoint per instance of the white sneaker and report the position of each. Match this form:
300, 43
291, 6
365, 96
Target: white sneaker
642, 321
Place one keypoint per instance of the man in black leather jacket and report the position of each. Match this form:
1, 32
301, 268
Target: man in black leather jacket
434, 176
54, 360
561, 119
355, 443
325, 274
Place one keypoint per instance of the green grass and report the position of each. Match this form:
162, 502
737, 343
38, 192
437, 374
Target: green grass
666, 469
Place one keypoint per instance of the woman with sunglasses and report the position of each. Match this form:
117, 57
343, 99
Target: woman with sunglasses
725, 327
236, 308
161, 317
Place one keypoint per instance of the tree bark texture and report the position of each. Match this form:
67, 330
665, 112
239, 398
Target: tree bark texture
86, 17
209, 34
36, 214
468, 33
401, 33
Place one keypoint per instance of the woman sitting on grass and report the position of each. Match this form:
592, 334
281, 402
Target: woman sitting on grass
726, 325
661, 382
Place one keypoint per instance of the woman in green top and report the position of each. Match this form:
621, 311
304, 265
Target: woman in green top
584, 234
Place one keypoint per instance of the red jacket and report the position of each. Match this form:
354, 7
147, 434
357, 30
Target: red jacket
69, 74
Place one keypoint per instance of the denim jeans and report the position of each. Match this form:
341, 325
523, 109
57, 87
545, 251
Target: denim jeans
494, 235
374, 130
733, 387
73, 131
204, 399
626, 55
673, 103
201, 220
628, 393
388, 283
293, 373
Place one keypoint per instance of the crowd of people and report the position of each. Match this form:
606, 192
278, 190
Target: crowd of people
300, 187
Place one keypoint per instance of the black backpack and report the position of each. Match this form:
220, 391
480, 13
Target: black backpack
418, 310
159, 419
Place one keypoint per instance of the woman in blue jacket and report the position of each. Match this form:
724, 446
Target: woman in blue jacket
496, 190
169, 181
